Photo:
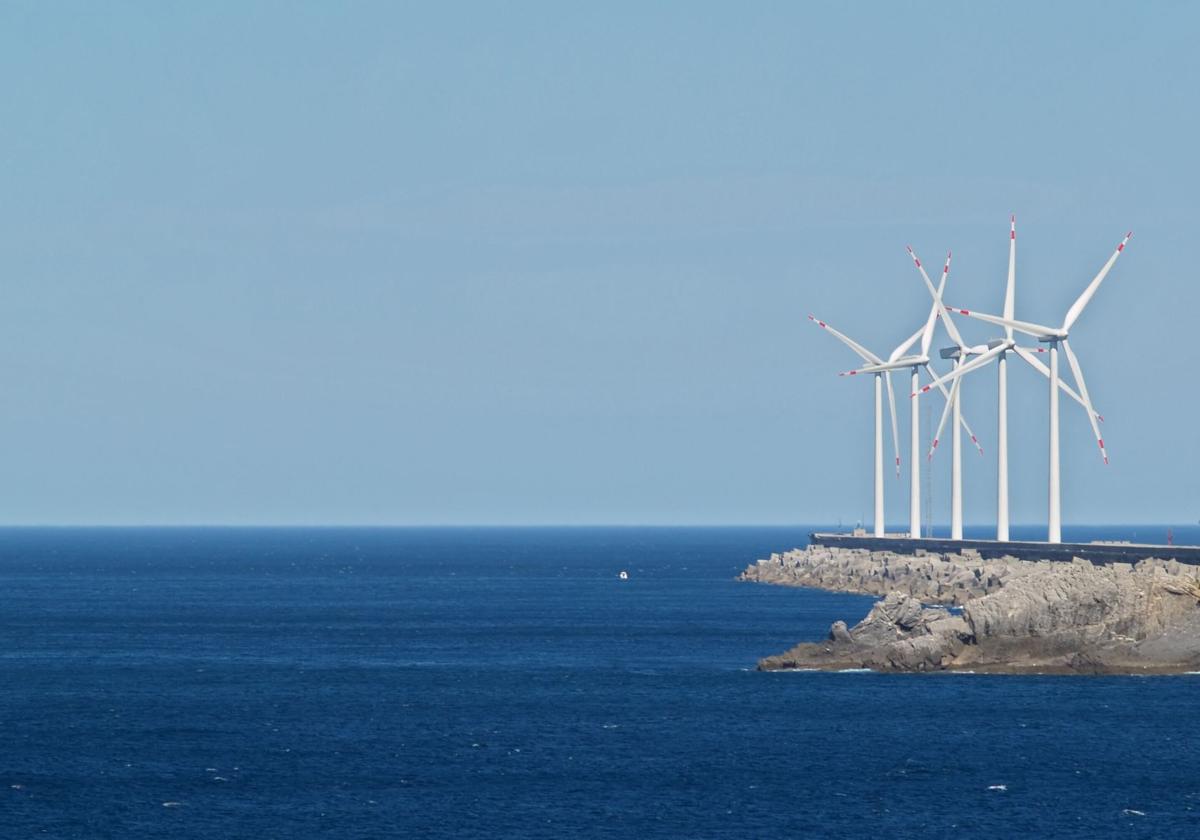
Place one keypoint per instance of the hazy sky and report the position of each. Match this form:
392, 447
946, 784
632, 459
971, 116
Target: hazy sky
550, 263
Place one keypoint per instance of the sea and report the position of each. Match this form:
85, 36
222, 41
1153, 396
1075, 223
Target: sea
506, 682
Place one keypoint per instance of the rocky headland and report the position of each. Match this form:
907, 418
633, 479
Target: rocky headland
961, 612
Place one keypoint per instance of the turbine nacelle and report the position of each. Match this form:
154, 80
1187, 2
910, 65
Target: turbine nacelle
897, 364
963, 352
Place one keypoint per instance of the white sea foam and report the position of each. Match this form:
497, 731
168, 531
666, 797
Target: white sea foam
997, 787
1133, 812
820, 671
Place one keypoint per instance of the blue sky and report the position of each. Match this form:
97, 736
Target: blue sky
547, 263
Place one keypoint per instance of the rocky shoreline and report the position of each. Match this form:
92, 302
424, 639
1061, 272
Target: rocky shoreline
946, 612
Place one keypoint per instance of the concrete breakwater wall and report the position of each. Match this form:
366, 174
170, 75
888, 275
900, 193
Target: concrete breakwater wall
1096, 552
1017, 616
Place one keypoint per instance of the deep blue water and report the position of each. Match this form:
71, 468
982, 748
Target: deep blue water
503, 682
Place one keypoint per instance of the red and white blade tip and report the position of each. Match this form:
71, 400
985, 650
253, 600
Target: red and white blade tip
817, 321
1124, 241
912, 254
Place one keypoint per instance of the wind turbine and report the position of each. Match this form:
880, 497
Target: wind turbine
959, 353
1053, 337
870, 358
915, 362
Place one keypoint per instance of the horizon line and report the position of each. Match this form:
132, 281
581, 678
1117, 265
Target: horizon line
532, 525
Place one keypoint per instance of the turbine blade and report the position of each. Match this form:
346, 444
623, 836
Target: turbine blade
970, 434
963, 417
939, 306
945, 414
895, 429
927, 330
1087, 403
1035, 330
903, 348
1036, 363
1077, 307
1010, 290
974, 364
900, 364
867, 355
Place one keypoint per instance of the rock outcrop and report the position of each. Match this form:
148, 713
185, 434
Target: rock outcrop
960, 612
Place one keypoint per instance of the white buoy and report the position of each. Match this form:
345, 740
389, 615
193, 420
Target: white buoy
624, 575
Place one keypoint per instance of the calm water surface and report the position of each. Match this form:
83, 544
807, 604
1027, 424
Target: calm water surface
503, 682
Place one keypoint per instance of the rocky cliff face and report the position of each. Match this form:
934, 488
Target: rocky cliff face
961, 612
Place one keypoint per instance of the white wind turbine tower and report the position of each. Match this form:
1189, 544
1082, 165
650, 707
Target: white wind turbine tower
915, 363
1010, 290
1053, 337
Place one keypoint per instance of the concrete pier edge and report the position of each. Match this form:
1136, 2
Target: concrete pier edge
1096, 552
